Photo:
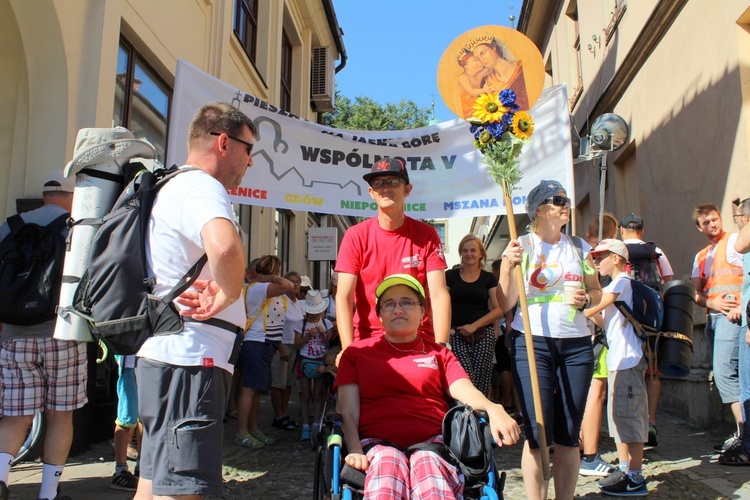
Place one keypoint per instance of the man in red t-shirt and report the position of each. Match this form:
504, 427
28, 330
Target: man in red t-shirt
389, 243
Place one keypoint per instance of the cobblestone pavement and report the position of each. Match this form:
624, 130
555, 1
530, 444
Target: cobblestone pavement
681, 467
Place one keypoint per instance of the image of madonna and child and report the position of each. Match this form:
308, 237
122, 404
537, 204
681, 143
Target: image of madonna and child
395, 388
490, 67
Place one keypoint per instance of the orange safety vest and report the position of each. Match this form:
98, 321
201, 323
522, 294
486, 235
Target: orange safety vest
723, 277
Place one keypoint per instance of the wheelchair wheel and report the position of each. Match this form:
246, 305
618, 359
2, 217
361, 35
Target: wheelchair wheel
32, 444
320, 488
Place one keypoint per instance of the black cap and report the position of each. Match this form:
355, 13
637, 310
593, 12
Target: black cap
632, 221
388, 166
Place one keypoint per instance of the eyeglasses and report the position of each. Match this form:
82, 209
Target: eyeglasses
390, 305
735, 216
558, 201
248, 145
391, 183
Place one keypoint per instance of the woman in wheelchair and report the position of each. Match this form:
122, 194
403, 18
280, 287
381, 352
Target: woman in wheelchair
393, 393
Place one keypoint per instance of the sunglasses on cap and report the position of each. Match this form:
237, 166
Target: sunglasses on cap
558, 201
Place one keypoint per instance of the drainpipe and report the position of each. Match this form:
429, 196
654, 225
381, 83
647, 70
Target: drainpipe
337, 32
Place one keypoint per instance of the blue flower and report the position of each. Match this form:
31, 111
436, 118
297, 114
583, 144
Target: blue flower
507, 119
496, 129
507, 98
473, 128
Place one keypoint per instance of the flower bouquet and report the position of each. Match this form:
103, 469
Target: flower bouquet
500, 131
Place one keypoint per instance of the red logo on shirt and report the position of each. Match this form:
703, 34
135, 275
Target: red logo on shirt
208, 362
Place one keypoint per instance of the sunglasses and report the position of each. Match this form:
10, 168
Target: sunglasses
558, 201
248, 145
391, 183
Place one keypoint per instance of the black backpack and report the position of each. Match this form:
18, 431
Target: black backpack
114, 294
467, 442
467, 436
643, 264
647, 313
31, 264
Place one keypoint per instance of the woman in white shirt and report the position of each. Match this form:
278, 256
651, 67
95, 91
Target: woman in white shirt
562, 340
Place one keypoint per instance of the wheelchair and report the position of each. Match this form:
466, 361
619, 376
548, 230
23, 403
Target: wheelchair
334, 480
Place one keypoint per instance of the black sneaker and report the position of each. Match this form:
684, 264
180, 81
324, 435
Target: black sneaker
124, 481
733, 442
624, 486
3, 491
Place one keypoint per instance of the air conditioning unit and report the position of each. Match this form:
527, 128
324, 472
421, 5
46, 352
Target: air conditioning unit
322, 90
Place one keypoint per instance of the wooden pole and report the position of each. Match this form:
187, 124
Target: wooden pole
537, 398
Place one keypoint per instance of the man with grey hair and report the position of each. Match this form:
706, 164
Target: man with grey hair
740, 455
38, 372
189, 374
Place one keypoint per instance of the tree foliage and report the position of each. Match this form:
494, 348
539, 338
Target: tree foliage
364, 113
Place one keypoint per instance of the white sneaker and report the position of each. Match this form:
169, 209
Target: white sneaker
596, 467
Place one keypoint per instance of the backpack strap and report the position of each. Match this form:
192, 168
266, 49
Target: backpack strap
261, 309
107, 176
186, 282
578, 246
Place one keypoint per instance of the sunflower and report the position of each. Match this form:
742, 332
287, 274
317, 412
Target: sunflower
488, 109
523, 125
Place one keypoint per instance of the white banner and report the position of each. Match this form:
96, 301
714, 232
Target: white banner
301, 165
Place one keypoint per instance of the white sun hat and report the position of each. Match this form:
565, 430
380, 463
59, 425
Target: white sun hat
94, 145
314, 302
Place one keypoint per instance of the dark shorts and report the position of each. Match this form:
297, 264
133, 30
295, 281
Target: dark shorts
255, 362
182, 408
564, 368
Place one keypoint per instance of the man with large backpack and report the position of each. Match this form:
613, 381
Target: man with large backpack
649, 265
57, 382
188, 375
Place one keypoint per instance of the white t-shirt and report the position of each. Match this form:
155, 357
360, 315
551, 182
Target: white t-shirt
316, 346
292, 321
549, 266
268, 324
733, 257
664, 266
625, 348
182, 207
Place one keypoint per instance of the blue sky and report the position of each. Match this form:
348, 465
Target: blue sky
394, 46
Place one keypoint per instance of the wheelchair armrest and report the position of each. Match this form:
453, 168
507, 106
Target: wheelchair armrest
353, 477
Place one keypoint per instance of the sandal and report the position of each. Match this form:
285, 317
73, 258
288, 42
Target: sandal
247, 441
737, 458
283, 423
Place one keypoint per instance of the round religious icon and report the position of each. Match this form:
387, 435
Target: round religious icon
490, 59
